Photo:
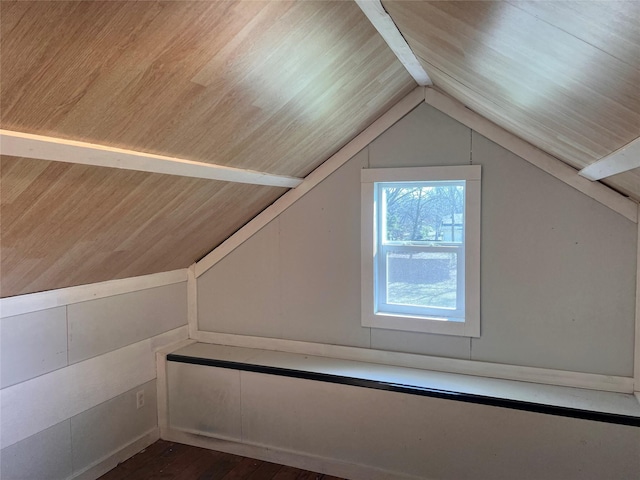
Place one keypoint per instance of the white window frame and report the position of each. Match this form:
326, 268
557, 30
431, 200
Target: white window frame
465, 323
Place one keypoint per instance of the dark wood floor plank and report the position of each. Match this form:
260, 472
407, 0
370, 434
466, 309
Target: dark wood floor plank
174, 461
194, 464
245, 468
170, 465
266, 471
220, 469
306, 475
292, 473
157, 455
287, 473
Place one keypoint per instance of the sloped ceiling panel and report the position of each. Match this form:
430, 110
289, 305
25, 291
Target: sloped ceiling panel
273, 86
626, 182
270, 86
67, 225
563, 75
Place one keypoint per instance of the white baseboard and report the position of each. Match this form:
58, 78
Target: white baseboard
312, 463
112, 460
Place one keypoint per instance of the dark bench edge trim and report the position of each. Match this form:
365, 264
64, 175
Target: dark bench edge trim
415, 390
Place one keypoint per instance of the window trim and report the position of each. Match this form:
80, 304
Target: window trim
439, 325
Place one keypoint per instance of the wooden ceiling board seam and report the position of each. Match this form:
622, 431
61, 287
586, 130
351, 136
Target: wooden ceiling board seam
626, 182
517, 49
331, 151
65, 213
617, 202
253, 144
541, 10
604, 139
33, 198
625, 187
227, 51
451, 87
566, 92
93, 251
165, 48
585, 144
40, 85
575, 154
347, 17
126, 81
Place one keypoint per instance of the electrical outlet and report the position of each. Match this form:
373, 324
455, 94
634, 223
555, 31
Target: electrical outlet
140, 399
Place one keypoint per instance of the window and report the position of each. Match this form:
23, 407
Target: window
421, 249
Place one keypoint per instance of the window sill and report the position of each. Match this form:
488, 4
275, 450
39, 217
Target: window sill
407, 323
609, 407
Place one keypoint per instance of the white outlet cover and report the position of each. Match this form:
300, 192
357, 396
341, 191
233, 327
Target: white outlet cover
140, 399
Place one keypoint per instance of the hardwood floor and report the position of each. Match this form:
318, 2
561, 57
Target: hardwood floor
173, 461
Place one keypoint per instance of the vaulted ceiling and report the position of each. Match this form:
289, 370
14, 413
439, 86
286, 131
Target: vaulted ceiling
271, 86
563, 75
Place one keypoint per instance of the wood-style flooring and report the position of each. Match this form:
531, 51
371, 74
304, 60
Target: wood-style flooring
173, 461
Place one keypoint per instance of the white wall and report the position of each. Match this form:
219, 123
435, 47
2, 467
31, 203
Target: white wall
69, 378
362, 433
558, 276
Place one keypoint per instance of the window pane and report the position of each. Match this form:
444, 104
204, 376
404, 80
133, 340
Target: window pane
430, 212
425, 279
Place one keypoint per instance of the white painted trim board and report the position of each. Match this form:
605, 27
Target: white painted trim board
544, 376
162, 392
388, 30
161, 382
192, 301
636, 351
373, 131
109, 462
551, 165
285, 457
624, 159
33, 302
173, 338
369, 251
515, 390
18, 144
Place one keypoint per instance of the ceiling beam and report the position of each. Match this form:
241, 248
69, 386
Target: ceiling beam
39, 147
624, 159
385, 26
342, 156
569, 175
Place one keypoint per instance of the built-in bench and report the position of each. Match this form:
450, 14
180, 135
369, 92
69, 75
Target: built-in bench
319, 407
586, 404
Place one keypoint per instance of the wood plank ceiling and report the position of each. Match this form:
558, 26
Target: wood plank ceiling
269, 86
563, 75
275, 87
